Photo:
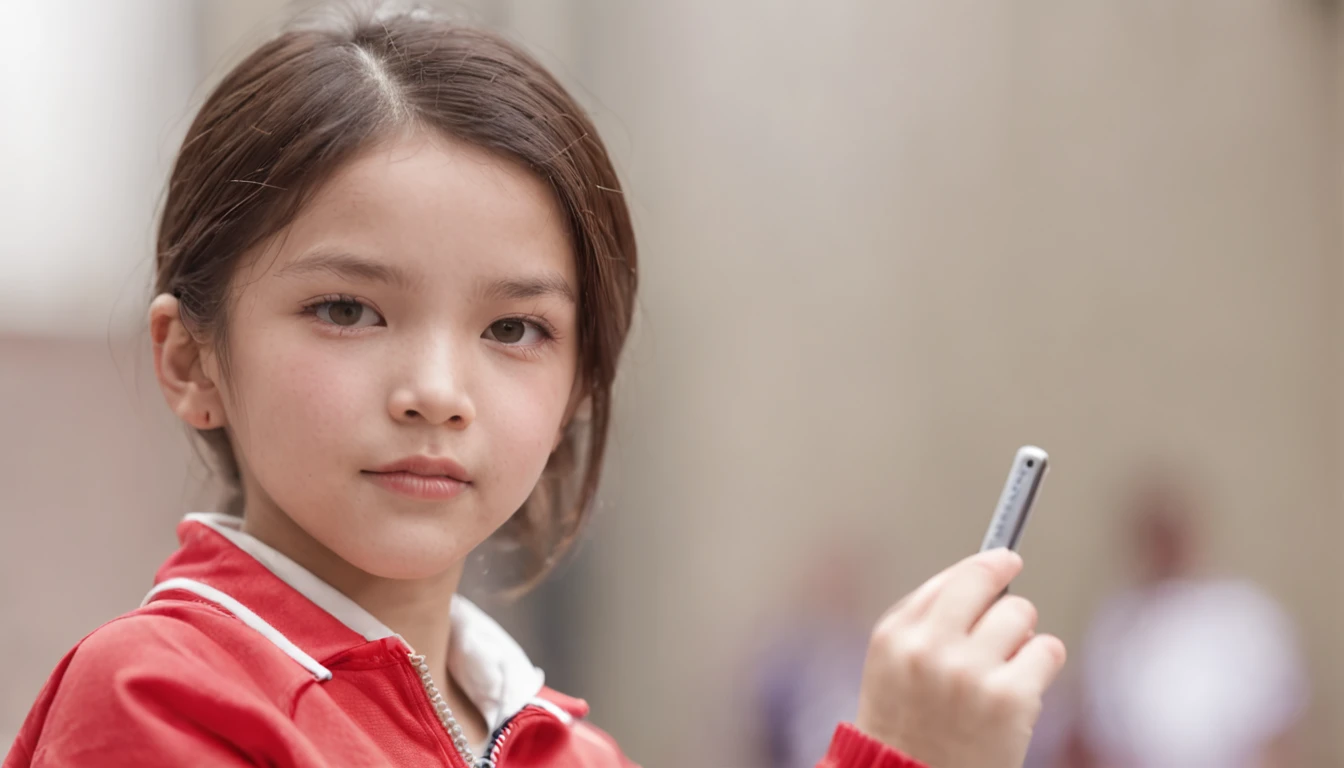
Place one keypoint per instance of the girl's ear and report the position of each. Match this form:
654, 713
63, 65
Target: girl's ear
179, 365
580, 407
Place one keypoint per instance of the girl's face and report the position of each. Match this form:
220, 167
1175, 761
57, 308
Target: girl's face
403, 356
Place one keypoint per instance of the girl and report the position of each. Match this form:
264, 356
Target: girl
395, 271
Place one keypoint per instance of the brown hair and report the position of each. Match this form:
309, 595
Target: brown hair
299, 106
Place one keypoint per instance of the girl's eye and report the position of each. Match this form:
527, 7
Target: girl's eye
347, 314
514, 331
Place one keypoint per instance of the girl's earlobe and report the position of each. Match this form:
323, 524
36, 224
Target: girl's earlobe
208, 419
580, 410
584, 410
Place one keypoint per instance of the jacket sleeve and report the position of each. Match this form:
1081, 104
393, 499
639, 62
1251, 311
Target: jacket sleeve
852, 748
151, 690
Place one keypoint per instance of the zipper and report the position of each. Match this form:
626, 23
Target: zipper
441, 709
492, 750
495, 749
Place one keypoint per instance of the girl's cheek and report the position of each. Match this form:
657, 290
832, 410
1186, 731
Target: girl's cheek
533, 426
303, 386
329, 400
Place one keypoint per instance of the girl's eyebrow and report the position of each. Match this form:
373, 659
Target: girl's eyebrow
551, 284
358, 268
350, 267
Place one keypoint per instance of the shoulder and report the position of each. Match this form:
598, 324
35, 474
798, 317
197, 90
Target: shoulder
1242, 597
163, 685
1252, 619
597, 742
175, 649
166, 631
593, 745
130, 641
177, 627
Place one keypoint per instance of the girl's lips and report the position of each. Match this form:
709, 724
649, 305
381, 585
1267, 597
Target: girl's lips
417, 486
428, 466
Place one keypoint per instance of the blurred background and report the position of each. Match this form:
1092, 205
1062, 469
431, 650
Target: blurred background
883, 245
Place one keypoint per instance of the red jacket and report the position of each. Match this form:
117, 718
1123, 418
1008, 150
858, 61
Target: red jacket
241, 657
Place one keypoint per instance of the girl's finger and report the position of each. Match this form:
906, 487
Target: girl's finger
971, 587
914, 605
1005, 628
1038, 663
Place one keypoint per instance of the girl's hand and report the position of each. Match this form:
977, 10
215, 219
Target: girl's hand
954, 677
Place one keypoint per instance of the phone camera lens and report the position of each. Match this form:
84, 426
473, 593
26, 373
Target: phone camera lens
1031, 463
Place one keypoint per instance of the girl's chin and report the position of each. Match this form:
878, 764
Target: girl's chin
398, 544
415, 562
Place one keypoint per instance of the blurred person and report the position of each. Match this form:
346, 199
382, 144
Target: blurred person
810, 668
395, 272
1184, 668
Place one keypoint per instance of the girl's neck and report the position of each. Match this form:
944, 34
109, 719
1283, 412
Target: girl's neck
416, 609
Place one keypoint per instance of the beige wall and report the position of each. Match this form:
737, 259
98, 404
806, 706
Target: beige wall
887, 243
883, 245
95, 473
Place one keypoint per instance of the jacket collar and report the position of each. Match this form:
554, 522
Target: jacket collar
309, 619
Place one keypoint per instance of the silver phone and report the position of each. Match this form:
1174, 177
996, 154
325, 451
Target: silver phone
1019, 493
